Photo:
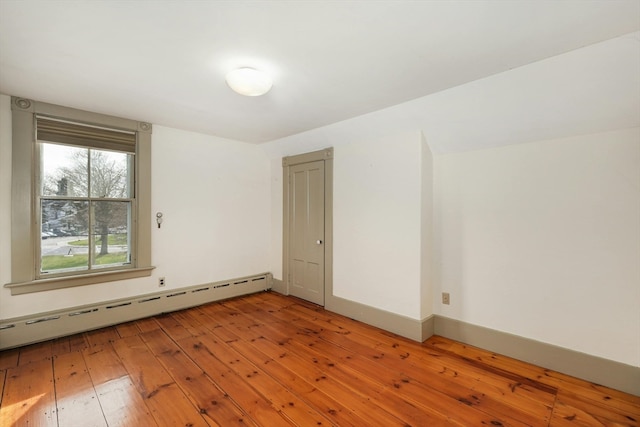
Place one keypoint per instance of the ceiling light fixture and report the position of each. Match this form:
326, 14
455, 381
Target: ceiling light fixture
249, 82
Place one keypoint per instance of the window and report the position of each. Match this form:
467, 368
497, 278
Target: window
87, 219
85, 206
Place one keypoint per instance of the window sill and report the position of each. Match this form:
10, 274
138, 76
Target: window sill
70, 281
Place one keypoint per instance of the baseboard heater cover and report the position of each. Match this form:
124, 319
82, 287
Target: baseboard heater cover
34, 328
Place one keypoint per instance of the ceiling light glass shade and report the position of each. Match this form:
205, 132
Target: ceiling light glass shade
249, 82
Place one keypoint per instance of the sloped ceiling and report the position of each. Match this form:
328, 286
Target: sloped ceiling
588, 90
165, 62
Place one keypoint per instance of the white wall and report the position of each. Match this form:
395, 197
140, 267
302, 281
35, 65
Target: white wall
542, 240
427, 248
276, 200
376, 219
214, 195
377, 223
5, 198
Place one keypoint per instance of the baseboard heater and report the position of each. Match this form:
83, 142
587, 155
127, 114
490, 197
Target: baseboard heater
20, 331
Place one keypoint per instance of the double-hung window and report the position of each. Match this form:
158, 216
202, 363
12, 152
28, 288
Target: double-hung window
87, 215
86, 198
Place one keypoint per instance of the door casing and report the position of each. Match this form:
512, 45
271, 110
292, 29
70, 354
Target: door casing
326, 156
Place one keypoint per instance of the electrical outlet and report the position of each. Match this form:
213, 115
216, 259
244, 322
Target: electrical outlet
445, 298
161, 282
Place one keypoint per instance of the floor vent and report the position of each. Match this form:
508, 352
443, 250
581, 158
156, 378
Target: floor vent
44, 326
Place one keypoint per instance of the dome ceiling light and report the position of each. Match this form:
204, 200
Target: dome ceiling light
249, 82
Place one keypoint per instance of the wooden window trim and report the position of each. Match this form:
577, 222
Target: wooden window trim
24, 230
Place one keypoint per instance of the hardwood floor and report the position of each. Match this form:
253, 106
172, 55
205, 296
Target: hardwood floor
269, 360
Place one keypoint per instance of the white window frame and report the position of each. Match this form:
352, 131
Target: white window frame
25, 231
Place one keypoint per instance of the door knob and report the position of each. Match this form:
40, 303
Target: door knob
318, 242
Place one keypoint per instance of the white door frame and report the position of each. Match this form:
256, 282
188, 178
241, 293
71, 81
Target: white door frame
325, 155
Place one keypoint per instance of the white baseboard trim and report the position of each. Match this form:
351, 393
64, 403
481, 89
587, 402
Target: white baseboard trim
25, 330
581, 365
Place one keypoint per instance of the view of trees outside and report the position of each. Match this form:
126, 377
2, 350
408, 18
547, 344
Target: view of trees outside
84, 189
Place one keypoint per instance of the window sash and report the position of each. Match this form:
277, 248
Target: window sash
90, 235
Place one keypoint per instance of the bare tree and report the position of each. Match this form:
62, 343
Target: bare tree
99, 175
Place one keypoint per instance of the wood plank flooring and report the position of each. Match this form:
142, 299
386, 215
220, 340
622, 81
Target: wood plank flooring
269, 360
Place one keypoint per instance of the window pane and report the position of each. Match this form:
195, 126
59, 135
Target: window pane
111, 233
64, 170
110, 174
64, 236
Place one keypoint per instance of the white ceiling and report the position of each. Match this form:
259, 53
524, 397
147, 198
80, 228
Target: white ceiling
165, 61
